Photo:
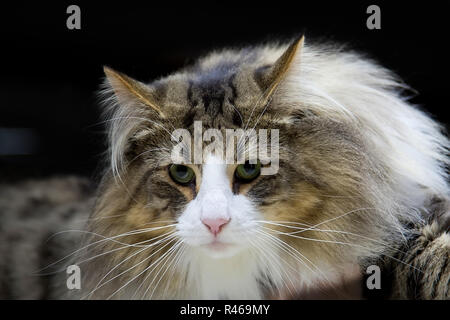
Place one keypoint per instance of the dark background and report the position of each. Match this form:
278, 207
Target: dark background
49, 75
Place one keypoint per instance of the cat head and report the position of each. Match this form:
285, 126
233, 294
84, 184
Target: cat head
316, 211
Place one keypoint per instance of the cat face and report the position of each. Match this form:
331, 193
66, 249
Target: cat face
230, 213
218, 221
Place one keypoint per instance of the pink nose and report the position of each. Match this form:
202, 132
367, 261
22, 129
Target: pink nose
215, 225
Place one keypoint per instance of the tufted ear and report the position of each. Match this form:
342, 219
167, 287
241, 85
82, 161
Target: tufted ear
270, 78
130, 91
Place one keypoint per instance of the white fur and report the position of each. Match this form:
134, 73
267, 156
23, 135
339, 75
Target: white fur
214, 272
233, 272
347, 86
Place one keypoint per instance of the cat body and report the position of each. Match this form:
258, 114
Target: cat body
357, 169
41, 221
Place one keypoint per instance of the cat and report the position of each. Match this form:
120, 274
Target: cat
32, 213
362, 180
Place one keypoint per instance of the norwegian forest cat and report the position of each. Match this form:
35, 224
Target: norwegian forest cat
361, 180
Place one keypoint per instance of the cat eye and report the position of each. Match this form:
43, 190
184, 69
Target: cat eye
247, 172
181, 174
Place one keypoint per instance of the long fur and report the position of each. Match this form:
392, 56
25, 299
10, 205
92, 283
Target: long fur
404, 149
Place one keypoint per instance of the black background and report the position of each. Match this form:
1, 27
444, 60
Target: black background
279, 309
49, 75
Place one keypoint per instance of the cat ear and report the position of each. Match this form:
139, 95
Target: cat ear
128, 90
271, 77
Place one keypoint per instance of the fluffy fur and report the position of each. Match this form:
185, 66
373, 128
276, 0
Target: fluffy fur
41, 221
360, 170
357, 164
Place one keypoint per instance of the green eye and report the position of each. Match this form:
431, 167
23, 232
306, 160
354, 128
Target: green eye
181, 174
247, 171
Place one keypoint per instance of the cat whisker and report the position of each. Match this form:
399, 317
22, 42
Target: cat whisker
262, 113
238, 112
136, 118
136, 244
169, 239
283, 245
301, 229
257, 101
101, 218
131, 245
275, 259
174, 268
133, 232
150, 272
172, 222
340, 216
116, 162
121, 215
281, 222
140, 273
344, 243
175, 252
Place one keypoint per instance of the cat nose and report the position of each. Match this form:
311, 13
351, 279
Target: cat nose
215, 225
